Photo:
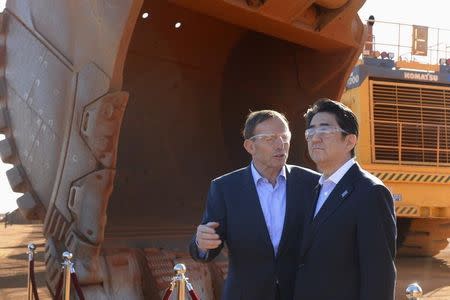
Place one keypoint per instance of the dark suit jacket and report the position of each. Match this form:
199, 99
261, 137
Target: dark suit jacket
348, 249
253, 268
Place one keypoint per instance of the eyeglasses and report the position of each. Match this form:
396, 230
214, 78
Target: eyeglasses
270, 138
322, 131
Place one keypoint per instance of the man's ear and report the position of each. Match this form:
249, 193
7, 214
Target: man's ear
352, 139
249, 146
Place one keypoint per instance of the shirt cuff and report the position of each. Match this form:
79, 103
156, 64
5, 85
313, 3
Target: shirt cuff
202, 254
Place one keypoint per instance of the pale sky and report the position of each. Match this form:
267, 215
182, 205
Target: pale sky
431, 13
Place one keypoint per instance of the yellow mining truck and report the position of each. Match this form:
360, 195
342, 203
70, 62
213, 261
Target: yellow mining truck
118, 113
400, 90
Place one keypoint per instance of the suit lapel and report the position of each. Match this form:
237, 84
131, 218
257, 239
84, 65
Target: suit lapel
342, 190
308, 221
253, 206
335, 199
293, 189
315, 196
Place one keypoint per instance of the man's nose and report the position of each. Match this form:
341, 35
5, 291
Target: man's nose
315, 138
278, 143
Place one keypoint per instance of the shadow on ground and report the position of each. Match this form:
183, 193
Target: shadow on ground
432, 274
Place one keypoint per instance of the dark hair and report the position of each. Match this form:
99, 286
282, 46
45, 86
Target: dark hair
256, 117
345, 118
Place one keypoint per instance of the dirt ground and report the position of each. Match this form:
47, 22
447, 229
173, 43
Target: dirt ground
433, 274
14, 261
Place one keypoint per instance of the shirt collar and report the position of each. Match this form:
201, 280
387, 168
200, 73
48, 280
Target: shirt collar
257, 176
337, 176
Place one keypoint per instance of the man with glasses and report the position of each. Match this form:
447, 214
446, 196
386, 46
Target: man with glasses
348, 246
258, 211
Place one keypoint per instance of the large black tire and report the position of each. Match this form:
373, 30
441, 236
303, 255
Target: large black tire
422, 237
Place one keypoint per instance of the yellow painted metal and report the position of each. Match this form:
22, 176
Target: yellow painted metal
421, 188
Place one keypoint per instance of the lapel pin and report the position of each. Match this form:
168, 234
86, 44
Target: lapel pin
344, 194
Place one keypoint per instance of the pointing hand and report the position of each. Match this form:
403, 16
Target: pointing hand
206, 237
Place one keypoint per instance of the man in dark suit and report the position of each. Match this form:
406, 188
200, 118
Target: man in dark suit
348, 246
258, 212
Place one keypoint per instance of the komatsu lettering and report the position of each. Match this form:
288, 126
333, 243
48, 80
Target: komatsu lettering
421, 76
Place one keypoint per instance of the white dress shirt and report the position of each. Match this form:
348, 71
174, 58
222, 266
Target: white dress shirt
273, 203
329, 184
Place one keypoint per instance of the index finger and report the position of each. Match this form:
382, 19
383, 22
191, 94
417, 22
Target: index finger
213, 224
205, 229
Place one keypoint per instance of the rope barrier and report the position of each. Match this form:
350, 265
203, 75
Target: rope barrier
191, 290
170, 289
31, 285
67, 277
167, 294
33, 281
59, 286
193, 295
76, 285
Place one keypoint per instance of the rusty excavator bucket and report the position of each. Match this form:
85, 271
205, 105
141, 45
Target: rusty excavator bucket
118, 113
